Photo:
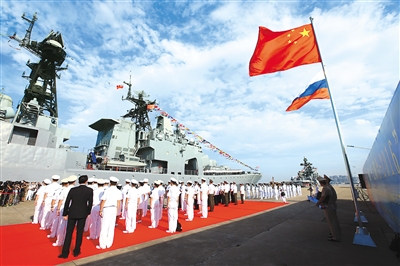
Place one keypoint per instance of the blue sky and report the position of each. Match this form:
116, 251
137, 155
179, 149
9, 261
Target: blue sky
192, 57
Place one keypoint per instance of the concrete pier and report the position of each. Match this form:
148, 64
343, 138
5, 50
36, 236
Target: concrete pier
295, 234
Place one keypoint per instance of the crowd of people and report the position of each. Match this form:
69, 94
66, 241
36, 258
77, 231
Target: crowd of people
14, 192
132, 201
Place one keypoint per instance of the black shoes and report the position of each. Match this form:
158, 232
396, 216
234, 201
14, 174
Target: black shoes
76, 254
62, 256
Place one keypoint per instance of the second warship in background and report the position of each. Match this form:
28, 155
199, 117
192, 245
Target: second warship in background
32, 144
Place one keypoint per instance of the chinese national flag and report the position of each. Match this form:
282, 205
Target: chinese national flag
282, 50
120, 87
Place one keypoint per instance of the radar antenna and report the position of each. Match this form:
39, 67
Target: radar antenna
140, 113
42, 79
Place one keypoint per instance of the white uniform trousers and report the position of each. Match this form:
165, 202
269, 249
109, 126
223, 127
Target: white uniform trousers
146, 203
95, 223
172, 218
87, 223
204, 209
130, 220
160, 209
107, 227
44, 222
36, 214
62, 230
55, 225
190, 210
123, 212
183, 202
154, 212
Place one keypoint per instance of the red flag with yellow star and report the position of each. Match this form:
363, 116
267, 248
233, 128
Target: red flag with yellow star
282, 50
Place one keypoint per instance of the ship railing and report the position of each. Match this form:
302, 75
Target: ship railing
124, 169
191, 172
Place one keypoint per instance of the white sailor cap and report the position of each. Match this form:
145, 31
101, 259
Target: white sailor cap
189, 182
174, 180
100, 181
47, 181
55, 177
161, 182
127, 180
134, 181
72, 178
327, 177
113, 179
95, 180
203, 179
64, 180
106, 181
157, 182
90, 179
145, 180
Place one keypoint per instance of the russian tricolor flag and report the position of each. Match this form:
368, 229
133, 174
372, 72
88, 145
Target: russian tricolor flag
316, 89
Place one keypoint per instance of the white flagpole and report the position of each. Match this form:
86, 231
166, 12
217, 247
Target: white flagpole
361, 237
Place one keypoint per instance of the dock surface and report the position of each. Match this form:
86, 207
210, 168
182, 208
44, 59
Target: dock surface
295, 234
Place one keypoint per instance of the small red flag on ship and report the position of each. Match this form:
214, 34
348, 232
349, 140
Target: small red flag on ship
120, 87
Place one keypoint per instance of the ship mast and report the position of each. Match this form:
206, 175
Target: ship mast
42, 79
139, 114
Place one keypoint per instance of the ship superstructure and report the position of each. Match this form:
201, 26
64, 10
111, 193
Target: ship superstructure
134, 147
32, 144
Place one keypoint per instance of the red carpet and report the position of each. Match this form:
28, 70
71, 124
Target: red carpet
25, 244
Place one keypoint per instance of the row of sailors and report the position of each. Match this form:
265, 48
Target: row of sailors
269, 191
131, 202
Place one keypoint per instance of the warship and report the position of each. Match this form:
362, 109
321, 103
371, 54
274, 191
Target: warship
33, 146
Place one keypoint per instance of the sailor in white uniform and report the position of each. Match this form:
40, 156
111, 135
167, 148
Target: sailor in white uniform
125, 189
48, 213
62, 226
89, 217
154, 205
276, 192
183, 192
248, 191
161, 193
141, 202
172, 205
131, 204
241, 189
299, 192
146, 189
204, 198
54, 205
189, 201
110, 203
39, 201
95, 221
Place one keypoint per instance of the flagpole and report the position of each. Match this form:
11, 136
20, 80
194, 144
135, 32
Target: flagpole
361, 237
